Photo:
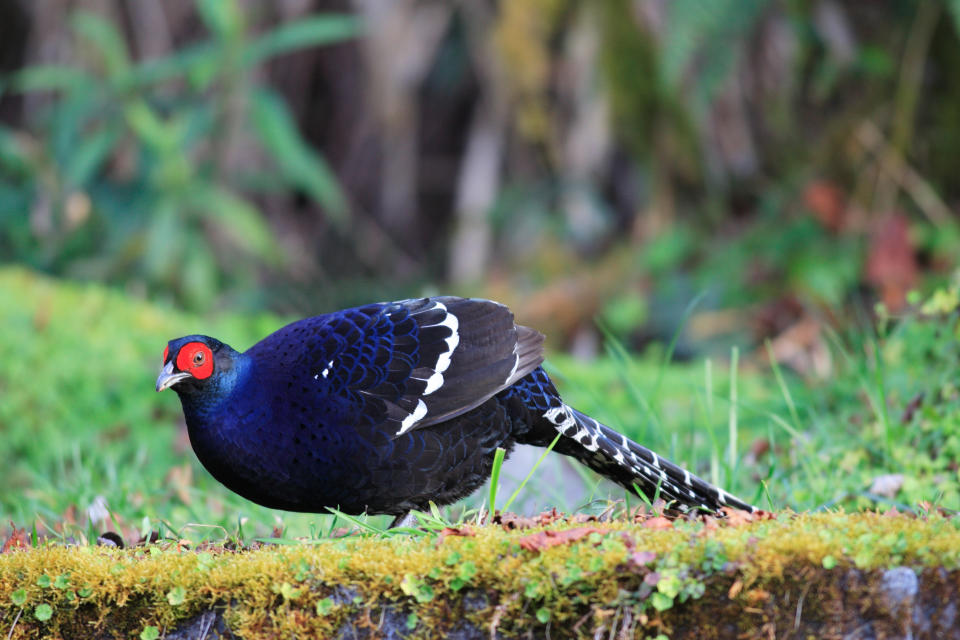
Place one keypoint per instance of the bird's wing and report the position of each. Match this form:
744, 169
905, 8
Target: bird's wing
461, 353
414, 363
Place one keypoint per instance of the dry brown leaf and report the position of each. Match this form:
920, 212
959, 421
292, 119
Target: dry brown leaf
891, 261
456, 531
549, 517
735, 589
546, 539
17, 540
640, 559
736, 517
511, 521
827, 203
657, 523
887, 485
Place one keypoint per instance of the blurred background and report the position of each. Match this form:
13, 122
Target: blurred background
633, 177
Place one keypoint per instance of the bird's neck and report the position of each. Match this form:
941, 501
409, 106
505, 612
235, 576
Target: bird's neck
230, 383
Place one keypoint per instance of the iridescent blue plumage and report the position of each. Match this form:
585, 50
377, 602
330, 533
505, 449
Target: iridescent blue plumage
386, 407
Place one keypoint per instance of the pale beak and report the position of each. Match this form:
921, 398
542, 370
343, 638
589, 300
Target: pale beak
168, 377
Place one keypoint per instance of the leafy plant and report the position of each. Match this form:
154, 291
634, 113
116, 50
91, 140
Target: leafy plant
141, 171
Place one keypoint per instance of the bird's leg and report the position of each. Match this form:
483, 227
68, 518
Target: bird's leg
404, 520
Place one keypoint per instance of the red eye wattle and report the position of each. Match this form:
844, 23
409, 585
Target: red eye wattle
197, 359
166, 354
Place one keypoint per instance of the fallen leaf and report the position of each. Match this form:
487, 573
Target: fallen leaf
802, 347
759, 448
583, 518
657, 523
891, 261
546, 539
180, 479
735, 589
455, 531
887, 485
549, 517
511, 521
642, 558
737, 517
756, 596
17, 540
827, 203
710, 524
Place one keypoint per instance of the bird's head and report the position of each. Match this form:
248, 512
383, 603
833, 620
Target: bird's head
194, 364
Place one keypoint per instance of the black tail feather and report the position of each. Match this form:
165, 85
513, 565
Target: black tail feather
629, 464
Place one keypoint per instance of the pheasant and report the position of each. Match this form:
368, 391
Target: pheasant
383, 408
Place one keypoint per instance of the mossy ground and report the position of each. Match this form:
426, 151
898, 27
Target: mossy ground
681, 579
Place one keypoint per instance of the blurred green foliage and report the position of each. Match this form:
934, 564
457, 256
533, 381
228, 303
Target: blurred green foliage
142, 173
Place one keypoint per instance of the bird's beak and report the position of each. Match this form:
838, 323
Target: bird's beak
168, 377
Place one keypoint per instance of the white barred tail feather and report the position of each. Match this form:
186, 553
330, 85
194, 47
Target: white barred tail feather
627, 463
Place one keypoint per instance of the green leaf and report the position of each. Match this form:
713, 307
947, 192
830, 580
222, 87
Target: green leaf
176, 65
105, 39
198, 275
177, 596
43, 612
13, 156
543, 615
414, 586
149, 633
298, 163
50, 77
222, 17
150, 128
43, 581
238, 219
325, 606
89, 155
314, 31
828, 562
467, 571
288, 591
19, 597
660, 601
62, 581
163, 240
412, 621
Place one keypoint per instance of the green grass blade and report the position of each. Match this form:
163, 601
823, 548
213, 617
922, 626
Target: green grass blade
732, 423
536, 464
495, 478
784, 389
361, 524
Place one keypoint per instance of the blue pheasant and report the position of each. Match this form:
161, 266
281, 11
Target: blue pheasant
386, 407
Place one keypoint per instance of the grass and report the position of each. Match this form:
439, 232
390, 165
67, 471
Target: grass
81, 425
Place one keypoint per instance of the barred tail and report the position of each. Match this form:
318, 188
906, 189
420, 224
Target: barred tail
627, 463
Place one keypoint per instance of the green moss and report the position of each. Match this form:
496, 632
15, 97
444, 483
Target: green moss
437, 583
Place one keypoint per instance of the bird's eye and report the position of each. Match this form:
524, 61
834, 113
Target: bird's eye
196, 359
